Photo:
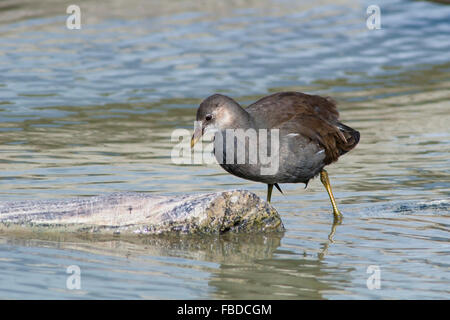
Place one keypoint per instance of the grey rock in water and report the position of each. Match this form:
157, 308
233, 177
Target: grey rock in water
137, 213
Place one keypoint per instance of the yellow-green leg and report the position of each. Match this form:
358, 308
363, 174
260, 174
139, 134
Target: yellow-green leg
326, 183
269, 192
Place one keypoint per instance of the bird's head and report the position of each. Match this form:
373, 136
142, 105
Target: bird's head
218, 112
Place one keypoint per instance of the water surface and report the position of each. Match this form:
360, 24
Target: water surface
91, 111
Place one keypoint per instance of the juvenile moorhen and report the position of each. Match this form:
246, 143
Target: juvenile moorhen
310, 135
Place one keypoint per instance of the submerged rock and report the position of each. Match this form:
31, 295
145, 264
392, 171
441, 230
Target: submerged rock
137, 213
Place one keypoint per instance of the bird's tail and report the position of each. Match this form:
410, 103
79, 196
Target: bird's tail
351, 136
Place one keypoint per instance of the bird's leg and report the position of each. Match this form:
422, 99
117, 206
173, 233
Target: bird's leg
326, 183
269, 191
278, 187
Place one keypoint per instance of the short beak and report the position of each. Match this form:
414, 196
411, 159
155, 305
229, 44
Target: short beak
198, 133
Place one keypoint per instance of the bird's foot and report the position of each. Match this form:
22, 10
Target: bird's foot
337, 216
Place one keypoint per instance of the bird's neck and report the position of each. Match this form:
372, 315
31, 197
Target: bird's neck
242, 119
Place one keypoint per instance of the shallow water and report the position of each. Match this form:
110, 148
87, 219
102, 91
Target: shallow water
91, 111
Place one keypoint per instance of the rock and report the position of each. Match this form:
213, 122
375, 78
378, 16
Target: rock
138, 213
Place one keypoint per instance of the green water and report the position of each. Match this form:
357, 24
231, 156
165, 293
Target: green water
91, 111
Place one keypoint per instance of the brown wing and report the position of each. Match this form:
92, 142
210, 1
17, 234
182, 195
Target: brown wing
290, 104
312, 116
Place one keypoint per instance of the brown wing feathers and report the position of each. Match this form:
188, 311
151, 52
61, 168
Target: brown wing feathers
323, 127
313, 116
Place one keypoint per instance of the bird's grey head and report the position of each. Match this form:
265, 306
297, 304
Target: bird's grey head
218, 112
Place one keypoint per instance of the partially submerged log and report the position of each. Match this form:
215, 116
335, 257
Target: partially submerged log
138, 213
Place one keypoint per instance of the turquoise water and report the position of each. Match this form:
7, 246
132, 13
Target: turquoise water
91, 111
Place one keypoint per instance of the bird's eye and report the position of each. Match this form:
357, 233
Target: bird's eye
208, 117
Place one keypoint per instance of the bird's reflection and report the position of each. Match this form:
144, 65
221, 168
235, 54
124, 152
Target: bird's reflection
326, 245
249, 266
